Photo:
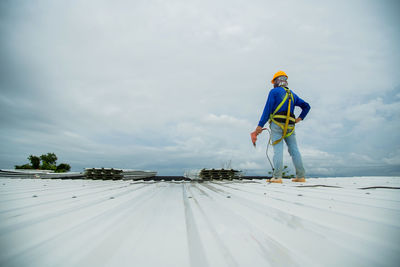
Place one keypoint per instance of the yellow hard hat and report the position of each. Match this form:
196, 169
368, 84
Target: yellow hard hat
279, 73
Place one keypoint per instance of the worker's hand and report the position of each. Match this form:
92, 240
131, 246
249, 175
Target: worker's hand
254, 134
258, 130
298, 120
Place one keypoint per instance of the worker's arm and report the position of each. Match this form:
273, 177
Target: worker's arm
305, 108
267, 110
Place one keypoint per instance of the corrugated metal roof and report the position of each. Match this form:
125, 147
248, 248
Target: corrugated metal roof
216, 223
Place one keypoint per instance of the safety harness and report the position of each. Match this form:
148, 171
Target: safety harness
285, 127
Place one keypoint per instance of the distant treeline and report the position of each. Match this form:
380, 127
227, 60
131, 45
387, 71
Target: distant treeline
44, 162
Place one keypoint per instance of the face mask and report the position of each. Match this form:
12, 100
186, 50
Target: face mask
281, 81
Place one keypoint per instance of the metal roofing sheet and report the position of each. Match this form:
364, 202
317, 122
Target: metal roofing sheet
324, 222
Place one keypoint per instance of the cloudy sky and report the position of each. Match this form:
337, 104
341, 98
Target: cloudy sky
178, 85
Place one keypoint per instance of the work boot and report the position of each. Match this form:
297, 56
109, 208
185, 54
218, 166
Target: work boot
299, 180
275, 180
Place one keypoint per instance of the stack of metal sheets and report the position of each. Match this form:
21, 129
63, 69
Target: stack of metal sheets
103, 174
137, 174
117, 174
219, 174
42, 174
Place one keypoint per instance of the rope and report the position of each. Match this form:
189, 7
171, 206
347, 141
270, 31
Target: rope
266, 151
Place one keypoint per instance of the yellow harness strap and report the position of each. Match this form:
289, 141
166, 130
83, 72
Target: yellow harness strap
286, 126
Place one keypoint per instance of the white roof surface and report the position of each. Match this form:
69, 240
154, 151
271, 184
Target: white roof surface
221, 223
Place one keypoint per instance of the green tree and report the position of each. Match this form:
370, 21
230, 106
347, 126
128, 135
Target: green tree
47, 166
48, 161
35, 161
24, 167
63, 167
49, 158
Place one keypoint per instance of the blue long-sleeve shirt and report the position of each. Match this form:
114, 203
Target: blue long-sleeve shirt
275, 97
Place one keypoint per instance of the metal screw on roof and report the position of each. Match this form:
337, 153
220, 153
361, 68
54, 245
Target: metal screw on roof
34, 196
74, 197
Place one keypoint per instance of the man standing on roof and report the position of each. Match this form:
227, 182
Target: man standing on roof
279, 111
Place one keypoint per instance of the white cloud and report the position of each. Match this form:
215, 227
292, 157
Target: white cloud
313, 153
226, 120
392, 158
249, 165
